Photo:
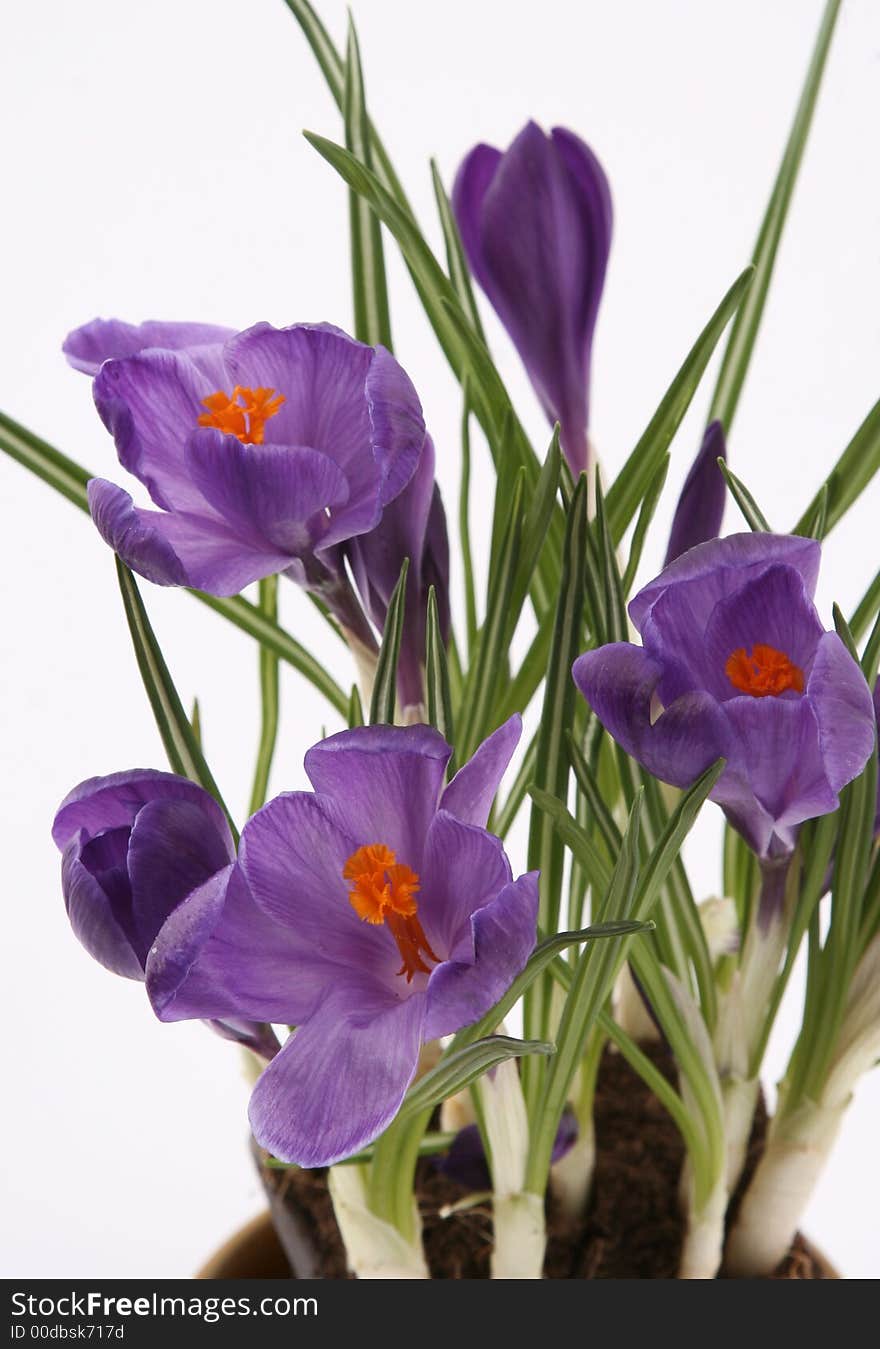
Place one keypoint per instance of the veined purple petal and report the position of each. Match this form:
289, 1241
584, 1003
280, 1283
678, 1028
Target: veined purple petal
700, 508
844, 710
178, 549
387, 781
275, 495
619, 682
238, 960
171, 852
100, 923
459, 992
336, 1085
471, 792
293, 853
103, 803
150, 404
452, 890
722, 566
88, 347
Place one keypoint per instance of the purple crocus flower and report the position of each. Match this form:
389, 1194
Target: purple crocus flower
266, 451
735, 664
700, 508
466, 1161
375, 913
535, 223
134, 846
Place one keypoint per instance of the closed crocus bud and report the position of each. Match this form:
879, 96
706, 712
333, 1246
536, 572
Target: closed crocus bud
700, 508
535, 223
137, 848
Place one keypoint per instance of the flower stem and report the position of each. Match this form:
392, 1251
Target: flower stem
268, 700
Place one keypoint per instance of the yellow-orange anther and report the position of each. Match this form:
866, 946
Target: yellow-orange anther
242, 413
383, 890
765, 673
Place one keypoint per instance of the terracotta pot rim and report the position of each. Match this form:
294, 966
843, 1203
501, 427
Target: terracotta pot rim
256, 1241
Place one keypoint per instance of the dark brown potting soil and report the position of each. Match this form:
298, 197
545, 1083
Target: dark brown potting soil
632, 1230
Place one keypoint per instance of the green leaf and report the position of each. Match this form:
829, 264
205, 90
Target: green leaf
269, 700
355, 708
635, 478
866, 610
575, 838
372, 321
594, 797
501, 822
816, 517
668, 845
436, 673
333, 69
477, 714
850, 476
455, 259
591, 985
460, 1067
464, 525
384, 698
752, 513
745, 328
70, 479
181, 746
646, 515
539, 513
541, 960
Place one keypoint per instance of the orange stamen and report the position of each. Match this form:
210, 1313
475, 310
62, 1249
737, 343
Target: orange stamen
765, 673
383, 890
242, 413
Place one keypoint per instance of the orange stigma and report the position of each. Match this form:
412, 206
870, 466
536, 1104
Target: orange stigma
765, 673
242, 413
383, 891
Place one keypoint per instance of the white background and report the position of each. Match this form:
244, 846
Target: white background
153, 167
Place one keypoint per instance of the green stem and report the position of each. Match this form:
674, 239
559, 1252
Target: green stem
392, 1172
268, 700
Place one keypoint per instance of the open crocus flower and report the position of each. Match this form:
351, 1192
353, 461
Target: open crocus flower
736, 664
265, 450
134, 846
376, 914
535, 223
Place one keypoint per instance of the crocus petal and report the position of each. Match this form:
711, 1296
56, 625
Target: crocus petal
177, 549
397, 422
237, 961
841, 700
103, 803
723, 565
386, 780
293, 853
88, 347
336, 1085
700, 508
150, 404
463, 868
619, 682
172, 851
778, 751
253, 1035
471, 792
276, 495
459, 992
97, 922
